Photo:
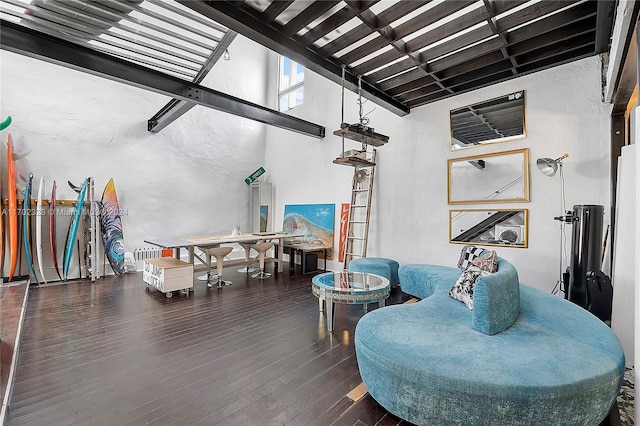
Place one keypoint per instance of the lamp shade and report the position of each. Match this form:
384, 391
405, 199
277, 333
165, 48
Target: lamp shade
547, 166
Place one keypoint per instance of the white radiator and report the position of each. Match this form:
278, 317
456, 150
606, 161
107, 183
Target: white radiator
143, 253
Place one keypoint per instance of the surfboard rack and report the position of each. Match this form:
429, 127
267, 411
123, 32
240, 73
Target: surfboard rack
67, 203
92, 253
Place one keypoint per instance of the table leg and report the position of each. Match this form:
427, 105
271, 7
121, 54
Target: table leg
382, 303
330, 312
280, 255
325, 260
191, 254
320, 304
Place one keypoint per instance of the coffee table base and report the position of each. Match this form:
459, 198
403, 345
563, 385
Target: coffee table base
330, 310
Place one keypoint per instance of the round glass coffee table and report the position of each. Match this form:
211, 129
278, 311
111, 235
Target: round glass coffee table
348, 287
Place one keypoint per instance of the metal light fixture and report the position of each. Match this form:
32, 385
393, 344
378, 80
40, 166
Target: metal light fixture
226, 56
549, 166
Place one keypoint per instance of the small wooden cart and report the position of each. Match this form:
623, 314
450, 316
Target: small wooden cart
168, 275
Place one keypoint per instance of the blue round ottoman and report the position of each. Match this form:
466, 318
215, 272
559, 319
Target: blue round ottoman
387, 268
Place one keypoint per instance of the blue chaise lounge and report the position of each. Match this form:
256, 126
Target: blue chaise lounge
520, 357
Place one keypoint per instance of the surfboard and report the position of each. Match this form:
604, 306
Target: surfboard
26, 227
2, 239
39, 214
13, 208
5, 123
73, 229
111, 225
52, 229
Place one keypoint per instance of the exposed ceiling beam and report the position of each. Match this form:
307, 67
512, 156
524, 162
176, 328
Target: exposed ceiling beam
604, 24
247, 21
18, 39
175, 108
624, 24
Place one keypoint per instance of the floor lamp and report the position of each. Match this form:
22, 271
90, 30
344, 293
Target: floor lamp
549, 167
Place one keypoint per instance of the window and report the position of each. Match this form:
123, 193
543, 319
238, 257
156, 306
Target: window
290, 84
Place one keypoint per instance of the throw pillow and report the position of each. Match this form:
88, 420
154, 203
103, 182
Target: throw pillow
467, 254
462, 290
487, 262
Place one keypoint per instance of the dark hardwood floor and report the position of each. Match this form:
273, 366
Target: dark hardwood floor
256, 352
11, 302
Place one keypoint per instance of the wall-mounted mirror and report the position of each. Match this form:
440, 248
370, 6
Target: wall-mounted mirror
489, 178
498, 227
496, 120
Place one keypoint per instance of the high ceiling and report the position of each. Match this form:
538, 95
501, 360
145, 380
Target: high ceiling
408, 53
411, 53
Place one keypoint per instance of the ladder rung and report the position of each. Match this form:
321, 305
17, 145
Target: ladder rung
361, 190
356, 238
358, 205
357, 221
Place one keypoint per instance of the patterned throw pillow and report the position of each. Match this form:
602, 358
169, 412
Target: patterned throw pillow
462, 290
487, 262
467, 254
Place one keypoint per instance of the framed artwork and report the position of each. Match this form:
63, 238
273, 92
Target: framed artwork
315, 221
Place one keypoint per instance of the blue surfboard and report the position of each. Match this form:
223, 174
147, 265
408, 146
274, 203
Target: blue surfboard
73, 228
26, 227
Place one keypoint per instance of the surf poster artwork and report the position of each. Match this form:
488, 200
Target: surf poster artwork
315, 221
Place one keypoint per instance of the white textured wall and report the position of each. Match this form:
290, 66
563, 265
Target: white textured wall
564, 113
187, 179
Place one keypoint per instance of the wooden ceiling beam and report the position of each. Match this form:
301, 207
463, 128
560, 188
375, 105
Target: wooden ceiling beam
412, 85
308, 15
385, 18
491, 20
431, 16
330, 24
561, 47
550, 23
402, 79
420, 92
274, 10
423, 40
249, 22
558, 27
532, 12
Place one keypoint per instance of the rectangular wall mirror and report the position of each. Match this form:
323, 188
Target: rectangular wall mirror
497, 227
489, 178
496, 120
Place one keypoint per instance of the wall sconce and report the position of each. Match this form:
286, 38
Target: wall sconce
226, 56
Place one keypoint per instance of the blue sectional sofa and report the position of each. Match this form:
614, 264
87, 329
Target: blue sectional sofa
520, 357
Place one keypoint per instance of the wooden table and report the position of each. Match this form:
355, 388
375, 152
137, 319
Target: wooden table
303, 248
190, 243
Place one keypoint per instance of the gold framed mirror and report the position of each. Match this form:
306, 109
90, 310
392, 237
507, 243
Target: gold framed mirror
490, 227
499, 119
489, 178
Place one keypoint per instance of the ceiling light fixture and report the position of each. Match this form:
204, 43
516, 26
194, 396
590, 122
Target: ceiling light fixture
226, 56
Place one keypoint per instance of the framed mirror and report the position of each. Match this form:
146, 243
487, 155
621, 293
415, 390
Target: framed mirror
496, 120
496, 227
489, 178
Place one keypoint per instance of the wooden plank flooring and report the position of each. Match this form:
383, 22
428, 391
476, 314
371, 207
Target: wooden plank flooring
113, 352
11, 302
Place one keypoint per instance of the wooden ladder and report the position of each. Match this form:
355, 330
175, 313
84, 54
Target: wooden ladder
359, 212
